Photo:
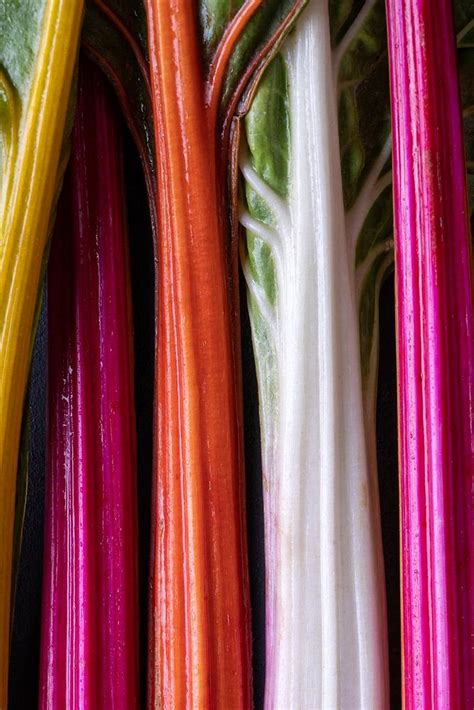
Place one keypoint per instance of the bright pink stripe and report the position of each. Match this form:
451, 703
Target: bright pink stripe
89, 654
435, 356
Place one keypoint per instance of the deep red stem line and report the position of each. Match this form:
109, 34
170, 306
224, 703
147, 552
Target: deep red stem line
129, 38
222, 56
128, 113
251, 74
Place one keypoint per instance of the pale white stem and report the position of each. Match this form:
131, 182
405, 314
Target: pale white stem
343, 85
370, 398
364, 268
373, 186
326, 643
465, 30
350, 36
257, 292
371, 385
382, 183
268, 235
274, 201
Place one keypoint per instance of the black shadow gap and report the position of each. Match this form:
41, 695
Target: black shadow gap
388, 481
254, 499
25, 642
143, 303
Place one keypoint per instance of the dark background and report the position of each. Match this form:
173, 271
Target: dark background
26, 627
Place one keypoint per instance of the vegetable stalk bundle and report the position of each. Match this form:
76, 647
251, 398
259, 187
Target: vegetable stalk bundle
265, 132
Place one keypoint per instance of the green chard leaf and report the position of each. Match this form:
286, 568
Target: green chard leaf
268, 135
260, 38
20, 23
267, 129
364, 139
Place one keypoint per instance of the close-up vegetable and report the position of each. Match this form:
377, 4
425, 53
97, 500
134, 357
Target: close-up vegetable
435, 356
38, 52
89, 649
199, 635
236, 354
314, 261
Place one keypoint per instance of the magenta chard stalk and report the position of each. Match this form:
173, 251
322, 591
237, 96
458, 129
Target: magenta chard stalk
89, 653
435, 355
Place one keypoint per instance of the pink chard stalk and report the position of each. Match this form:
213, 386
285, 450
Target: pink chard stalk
435, 355
89, 655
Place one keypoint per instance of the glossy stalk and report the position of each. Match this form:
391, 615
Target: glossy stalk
435, 353
31, 127
199, 653
326, 644
89, 645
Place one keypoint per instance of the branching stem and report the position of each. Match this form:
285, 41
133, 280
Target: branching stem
278, 208
350, 35
373, 186
365, 267
256, 291
465, 30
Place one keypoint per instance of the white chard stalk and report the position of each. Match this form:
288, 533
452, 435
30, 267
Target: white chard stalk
326, 640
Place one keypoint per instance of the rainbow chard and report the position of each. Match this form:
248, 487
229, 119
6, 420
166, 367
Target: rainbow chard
316, 207
38, 42
435, 349
89, 654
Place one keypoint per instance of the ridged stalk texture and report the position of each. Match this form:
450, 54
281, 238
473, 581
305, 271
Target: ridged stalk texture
326, 644
435, 346
199, 636
31, 131
89, 645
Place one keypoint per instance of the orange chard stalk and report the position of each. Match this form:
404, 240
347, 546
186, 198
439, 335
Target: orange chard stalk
199, 638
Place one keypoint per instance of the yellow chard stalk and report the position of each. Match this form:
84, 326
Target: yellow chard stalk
38, 49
